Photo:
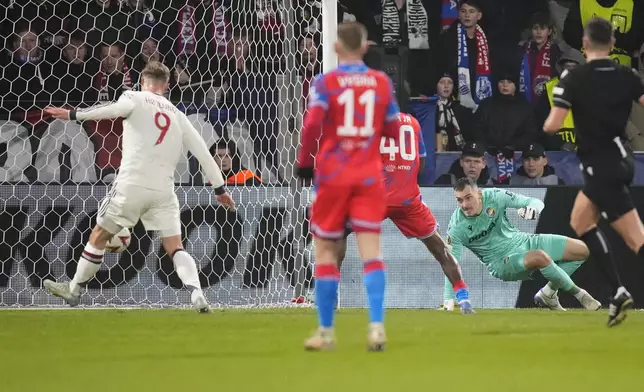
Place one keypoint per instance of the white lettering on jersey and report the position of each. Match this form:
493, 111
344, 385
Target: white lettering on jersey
357, 81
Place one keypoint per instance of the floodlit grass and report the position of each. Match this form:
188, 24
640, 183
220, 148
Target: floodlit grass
261, 350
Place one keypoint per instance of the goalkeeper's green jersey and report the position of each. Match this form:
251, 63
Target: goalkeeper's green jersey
489, 235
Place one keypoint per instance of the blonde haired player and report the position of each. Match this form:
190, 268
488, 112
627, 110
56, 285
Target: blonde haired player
153, 133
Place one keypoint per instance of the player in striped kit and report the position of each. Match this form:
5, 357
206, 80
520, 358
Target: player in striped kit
350, 108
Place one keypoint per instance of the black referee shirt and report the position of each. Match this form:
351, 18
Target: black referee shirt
600, 94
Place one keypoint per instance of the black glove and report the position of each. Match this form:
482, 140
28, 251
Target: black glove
304, 173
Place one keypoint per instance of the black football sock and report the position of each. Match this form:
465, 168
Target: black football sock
599, 248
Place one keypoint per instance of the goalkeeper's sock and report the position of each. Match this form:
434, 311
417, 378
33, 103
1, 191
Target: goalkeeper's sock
598, 245
559, 278
460, 291
186, 268
448, 290
88, 266
375, 281
570, 267
327, 279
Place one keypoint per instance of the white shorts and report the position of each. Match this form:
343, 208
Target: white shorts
125, 204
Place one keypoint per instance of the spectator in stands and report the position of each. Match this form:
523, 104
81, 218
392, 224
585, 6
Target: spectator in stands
227, 157
149, 52
471, 164
23, 96
540, 55
255, 98
112, 79
504, 22
106, 21
193, 94
191, 30
309, 64
505, 120
453, 120
44, 16
71, 79
65, 151
535, 169
144, 19
635, 126
465, 55
23, 92
627, 16
566, 138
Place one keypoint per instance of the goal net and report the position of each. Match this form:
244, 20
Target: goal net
241, 71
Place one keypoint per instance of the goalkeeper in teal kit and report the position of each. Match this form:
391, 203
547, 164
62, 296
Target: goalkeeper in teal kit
481, 225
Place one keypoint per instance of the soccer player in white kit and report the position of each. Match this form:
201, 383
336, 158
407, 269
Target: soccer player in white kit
154, 132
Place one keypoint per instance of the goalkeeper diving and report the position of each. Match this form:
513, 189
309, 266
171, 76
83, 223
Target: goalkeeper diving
480, 224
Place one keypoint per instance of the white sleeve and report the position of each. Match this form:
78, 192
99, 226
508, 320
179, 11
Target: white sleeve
196, 145
121, 108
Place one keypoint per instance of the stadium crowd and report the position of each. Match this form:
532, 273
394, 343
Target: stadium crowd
491, 64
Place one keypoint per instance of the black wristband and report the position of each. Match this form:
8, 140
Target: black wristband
72, 114
220, 190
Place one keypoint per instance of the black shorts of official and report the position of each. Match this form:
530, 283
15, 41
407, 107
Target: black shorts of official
607, 186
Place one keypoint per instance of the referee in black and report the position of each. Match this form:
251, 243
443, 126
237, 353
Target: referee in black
600, 95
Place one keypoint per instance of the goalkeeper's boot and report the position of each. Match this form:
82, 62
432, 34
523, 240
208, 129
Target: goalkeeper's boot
62, 290
588, 302
466, 307
550, 302
322, 340
199, 301
376, 338
618, 306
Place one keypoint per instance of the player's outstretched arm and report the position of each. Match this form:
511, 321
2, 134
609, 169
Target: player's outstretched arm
121, 108
197, 146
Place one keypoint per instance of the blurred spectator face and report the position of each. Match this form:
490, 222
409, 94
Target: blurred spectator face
75, 51
540, 34
507, 87
570, 65
149, 51
26, 45
469, 16
308, 50
223, 159
111, 59
534, 166
472, 166
445, 88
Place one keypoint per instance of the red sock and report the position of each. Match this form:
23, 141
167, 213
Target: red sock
459, 285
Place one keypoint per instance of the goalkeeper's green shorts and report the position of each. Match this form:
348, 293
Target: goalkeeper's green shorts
512, 268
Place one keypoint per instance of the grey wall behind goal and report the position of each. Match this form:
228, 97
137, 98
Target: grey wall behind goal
242, 255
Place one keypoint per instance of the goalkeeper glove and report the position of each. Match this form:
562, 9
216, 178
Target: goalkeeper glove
528, 213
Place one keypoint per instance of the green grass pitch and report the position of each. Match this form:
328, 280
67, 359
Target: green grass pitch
261, 350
